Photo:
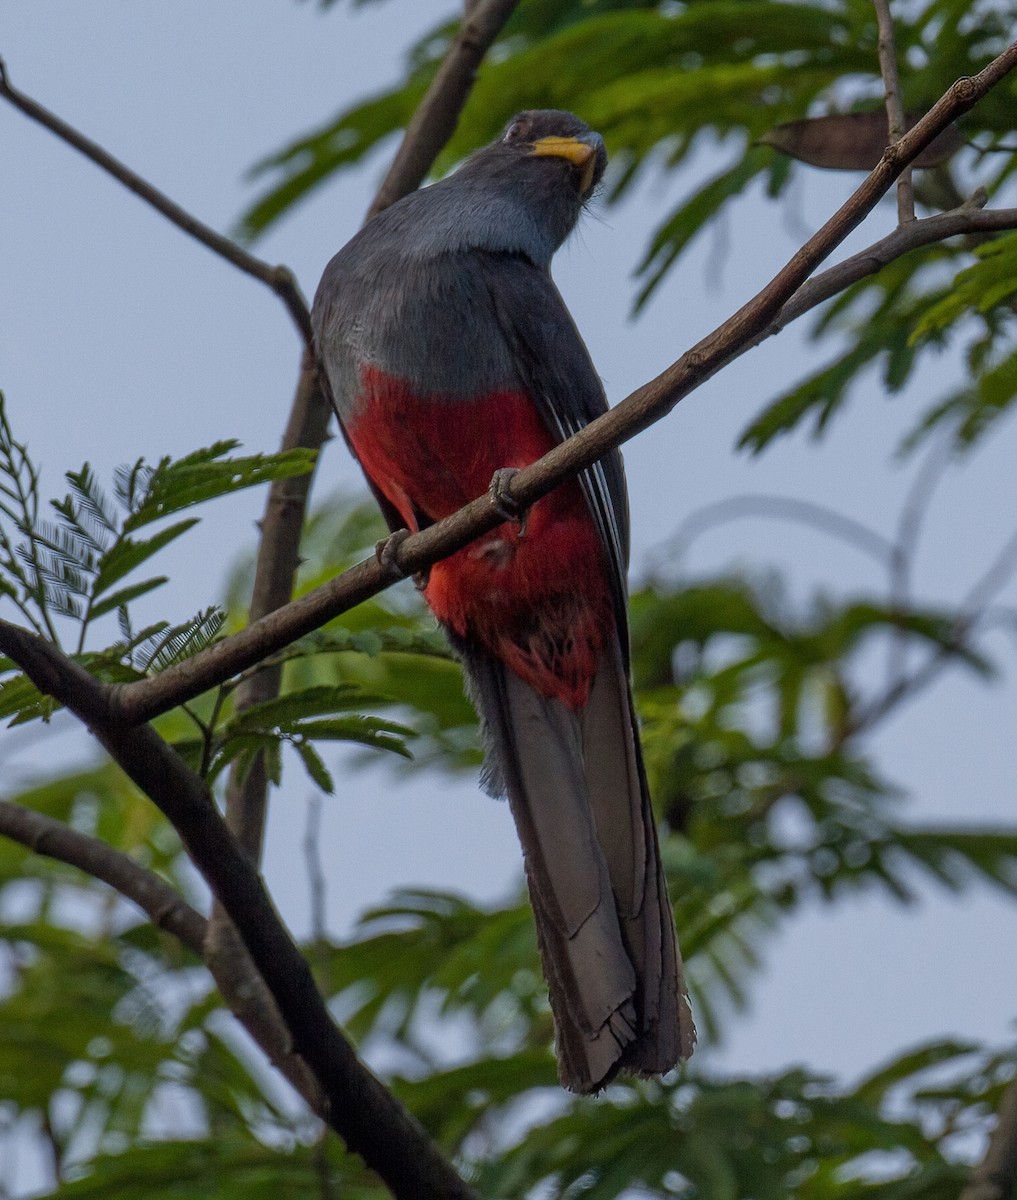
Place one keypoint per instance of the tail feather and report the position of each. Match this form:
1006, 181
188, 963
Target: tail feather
578, 795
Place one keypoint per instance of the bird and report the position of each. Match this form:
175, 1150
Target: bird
452, 359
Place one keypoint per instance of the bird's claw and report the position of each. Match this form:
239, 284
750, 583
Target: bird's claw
506, 505
386, 552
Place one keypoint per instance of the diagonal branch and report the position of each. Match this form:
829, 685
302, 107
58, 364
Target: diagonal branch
167, 910
163, 904
970, 218
279, 279
779, 302
371, 1121
436, 117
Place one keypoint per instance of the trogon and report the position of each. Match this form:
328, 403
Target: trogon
451, 356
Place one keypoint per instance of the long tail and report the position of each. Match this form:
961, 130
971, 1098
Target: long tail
578, 793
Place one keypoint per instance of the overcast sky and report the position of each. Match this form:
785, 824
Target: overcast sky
119, 337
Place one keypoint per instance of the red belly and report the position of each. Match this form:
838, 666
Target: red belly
540, 602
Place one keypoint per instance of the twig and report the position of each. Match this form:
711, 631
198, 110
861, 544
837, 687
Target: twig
279, 279
995, 1177
973, 609
315, 875
969, 218
762, 316
167, 910
372, 1122
247, 791
886, 47
436, 117
909, 527
163, 905
781, 508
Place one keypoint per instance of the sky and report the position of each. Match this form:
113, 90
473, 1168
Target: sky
120, 337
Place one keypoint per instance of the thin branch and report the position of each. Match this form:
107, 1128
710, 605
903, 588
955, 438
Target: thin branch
762, 316
995, 1177
909, 528
781, 508
279, 279
973, 610
275, 569
167, 910
161, 903
970, 218
371, 1121
437, 115
887, 50
315, 875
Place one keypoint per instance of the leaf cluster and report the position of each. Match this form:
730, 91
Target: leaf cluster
75, 567
663, 81
767, 800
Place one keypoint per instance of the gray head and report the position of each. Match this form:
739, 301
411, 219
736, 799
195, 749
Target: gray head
546, 160
521, 194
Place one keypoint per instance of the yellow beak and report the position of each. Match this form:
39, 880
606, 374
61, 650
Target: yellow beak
580, 154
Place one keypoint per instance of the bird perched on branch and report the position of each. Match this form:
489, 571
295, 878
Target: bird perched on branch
451, 357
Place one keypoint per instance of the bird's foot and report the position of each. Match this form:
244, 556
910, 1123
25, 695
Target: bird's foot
506, 505
386, 552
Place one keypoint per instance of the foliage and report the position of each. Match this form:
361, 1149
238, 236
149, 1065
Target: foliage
748, 734
664, 81
113, 1048
73, 568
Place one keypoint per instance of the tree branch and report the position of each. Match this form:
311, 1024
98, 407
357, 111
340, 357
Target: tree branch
279, 279
886, 47
163, 905
247, 791
437, 115
167, 910
363, 1112
779, 302
995, 1177
970, 218
781, 508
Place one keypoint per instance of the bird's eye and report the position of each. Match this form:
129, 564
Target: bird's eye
515, 132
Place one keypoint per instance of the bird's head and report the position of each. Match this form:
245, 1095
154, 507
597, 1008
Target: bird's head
526, 190
572, 155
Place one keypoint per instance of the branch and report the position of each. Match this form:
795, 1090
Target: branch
905, 546
970, 218
781, 508
163, 905
886, 48
275, 569
363, 1112
279, 279
779, 302
437, 115
167, 910
973, 611
995, 1177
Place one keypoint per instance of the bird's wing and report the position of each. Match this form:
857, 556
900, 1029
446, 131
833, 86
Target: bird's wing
555, 368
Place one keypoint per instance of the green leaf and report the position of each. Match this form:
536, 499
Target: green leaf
206, 474
989, 282
314, 766
125, 595
127, 554
671, 238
